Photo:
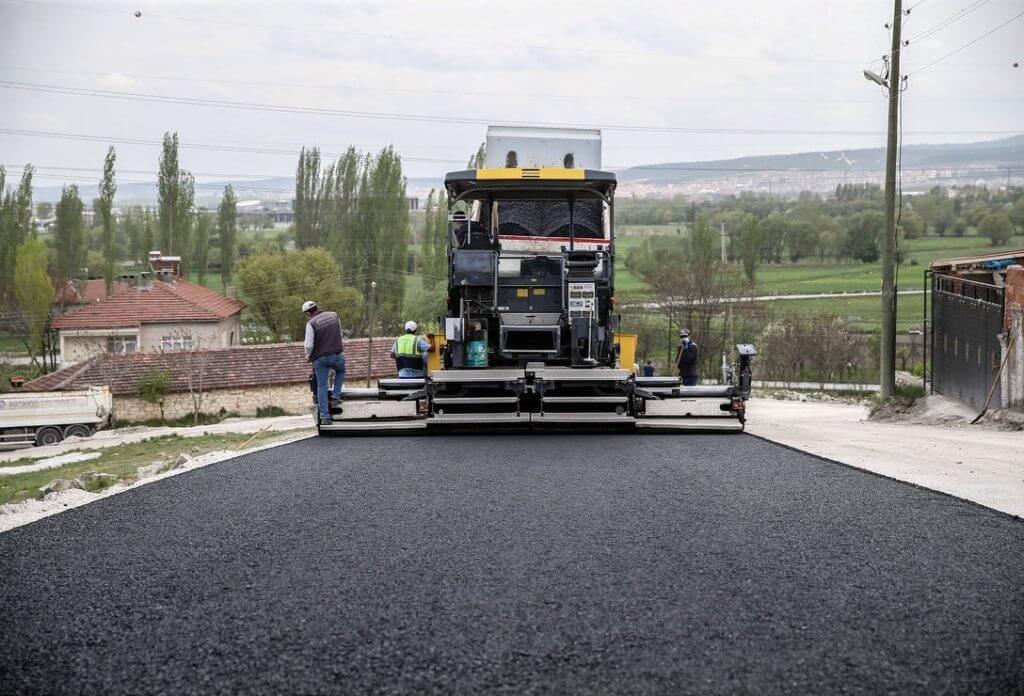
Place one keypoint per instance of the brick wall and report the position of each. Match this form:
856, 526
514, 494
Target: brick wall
1012, 382
1014, 290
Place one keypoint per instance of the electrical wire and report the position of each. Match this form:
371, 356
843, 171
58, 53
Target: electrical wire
703, 99
433, 118
969, 43
194, 146
948, 21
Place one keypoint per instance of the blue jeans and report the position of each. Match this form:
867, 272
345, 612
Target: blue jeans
689, 380
409, 373
322, 367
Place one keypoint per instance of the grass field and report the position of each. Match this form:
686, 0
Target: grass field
863, 313
123, 460
808, 276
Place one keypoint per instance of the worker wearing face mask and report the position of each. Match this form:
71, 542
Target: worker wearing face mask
688, 359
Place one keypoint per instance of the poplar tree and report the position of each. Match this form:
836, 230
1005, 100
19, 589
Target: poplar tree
184, 218
227, 229
15, 225
201, 255
147, 237
307, 198
357, 208
108, 187
69, 234
435, 231
476, 160
167, 192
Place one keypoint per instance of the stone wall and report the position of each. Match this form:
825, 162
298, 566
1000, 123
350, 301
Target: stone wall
1012, 382
293, 399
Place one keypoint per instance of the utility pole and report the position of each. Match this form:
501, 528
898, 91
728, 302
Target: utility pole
369, 341
723, 243
887, 353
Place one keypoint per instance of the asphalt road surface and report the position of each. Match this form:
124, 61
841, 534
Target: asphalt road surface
546, 563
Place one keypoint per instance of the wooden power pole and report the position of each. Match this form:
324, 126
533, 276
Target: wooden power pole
888, 347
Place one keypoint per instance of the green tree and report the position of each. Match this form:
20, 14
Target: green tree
105, 206
34, 292
69, 235
277, 283
168, 182
862, 236
911, 224
802, 238
997, 228
44, 210
148, 234
750, 248
185, 218
201, 255
15, 225
435, 232
175, 202
308, 199
227, 228
476, 160
773, 237
386, 239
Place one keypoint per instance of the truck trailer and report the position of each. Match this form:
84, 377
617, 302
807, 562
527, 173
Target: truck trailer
46, 418
531, 337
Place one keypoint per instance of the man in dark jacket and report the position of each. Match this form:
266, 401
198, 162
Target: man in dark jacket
323, 347
688, 359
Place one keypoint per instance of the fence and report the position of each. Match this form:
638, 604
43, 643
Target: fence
966, 321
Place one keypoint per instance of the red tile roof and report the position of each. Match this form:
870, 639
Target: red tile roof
90, 291
163, 302
225, 368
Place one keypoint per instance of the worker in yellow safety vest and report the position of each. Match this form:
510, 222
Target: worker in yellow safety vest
410, 353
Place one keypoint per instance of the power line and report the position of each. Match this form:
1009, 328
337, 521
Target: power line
192, 146
970, 43
949, 20
704, 99
433, 118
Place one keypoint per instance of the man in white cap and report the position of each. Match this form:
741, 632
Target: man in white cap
410, 353
323, 347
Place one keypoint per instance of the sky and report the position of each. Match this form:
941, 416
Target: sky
657, 76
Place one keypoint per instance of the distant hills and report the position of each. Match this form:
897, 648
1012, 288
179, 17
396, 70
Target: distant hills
996, 154
814, 170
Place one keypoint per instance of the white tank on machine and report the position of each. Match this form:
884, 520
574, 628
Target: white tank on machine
529, 147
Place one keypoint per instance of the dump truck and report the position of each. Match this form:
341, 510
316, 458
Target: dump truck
45, 418
531, 338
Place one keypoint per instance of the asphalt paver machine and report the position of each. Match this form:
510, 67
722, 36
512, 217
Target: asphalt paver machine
531, 337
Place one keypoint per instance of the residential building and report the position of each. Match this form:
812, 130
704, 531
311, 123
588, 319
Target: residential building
148, 315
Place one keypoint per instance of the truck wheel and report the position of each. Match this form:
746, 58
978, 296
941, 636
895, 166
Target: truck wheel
48, 436
79, 430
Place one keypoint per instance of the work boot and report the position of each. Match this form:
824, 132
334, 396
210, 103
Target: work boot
326, 421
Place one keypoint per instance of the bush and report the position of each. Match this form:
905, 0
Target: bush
270, 412
909, 392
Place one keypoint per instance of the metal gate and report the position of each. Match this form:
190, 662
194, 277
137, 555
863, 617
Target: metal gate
967, 318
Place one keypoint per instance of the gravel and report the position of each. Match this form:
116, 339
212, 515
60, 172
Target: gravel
549, 564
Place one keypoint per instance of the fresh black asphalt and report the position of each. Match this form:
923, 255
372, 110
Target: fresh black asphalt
544, 563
